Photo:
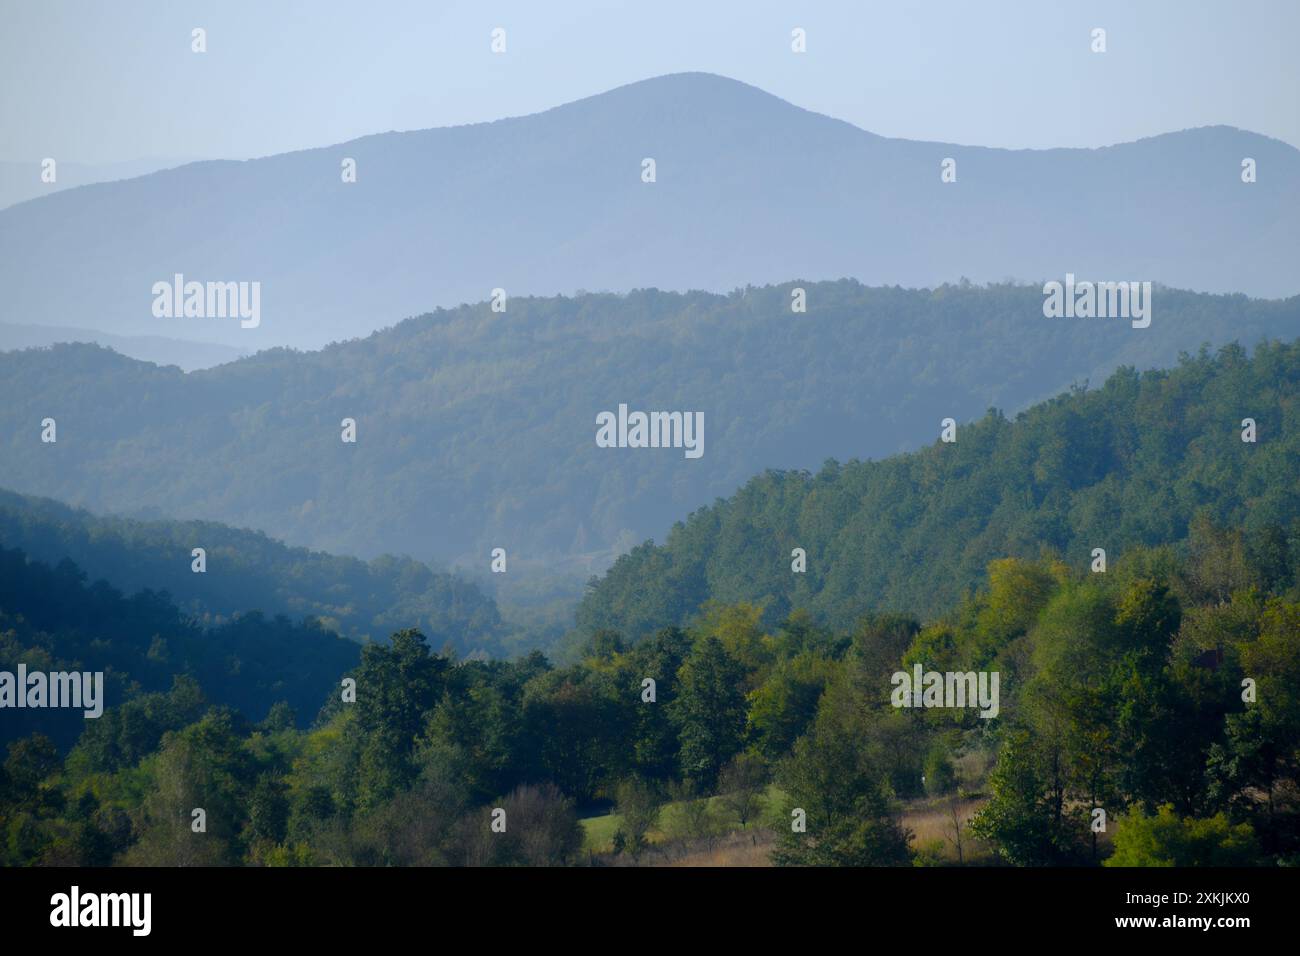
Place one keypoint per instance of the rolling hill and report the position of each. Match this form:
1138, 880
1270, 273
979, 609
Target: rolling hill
247, 571
1132, 463
52, 618
183, 353
477, 430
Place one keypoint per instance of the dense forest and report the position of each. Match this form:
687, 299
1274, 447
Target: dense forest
1146, 711
52, 619
476, 429
1127, 464
246, 569
1122, 692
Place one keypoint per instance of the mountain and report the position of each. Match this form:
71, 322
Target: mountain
247, 571
184, 354
22, 181
1134, 463
478, 430
748, 189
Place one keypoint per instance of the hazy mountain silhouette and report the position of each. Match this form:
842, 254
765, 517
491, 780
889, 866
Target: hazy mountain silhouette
22, 181
160, 350
749, 189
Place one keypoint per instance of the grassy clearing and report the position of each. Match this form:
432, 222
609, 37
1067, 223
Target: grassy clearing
929, 819
931, 823
599, 830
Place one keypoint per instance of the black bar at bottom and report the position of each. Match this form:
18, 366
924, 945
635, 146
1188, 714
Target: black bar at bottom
222, 906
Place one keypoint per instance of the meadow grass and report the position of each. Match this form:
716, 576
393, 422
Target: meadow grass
599, 830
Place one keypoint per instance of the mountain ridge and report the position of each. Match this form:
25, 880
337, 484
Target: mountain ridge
481, 426
749, 188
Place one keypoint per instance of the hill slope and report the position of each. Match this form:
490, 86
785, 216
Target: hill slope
749, 188
1131, 463
183, 353
247, 571
22, 181
52, 619
477, 430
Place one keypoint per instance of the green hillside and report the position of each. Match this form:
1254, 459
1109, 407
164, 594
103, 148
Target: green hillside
247, 570
1130, 463
476, 429
1160, 691
53, 619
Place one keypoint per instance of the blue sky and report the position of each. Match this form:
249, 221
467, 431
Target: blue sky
100, 82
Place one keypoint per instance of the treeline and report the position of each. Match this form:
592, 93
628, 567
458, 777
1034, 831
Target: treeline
246, 569
1124, 465
1161, 692
52, 619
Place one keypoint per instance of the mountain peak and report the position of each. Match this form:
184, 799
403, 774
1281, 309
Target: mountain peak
748, 189
677, 96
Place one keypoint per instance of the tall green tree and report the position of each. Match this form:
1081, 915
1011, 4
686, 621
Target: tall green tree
709, 711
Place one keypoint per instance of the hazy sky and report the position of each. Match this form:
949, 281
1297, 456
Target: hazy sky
105, 81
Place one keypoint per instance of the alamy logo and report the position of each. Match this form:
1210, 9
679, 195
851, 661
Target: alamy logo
651, 430
950, 689
83, 691
208, 300
1101, 300
103, 909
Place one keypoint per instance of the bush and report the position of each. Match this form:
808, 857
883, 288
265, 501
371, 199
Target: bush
1169, 840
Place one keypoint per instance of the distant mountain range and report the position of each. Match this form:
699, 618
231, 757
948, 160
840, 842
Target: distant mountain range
186, 355
748, 189
20, 181
477, 430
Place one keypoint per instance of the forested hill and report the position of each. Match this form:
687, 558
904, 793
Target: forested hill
476, 429
246, 570
1130, 463
53, 619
